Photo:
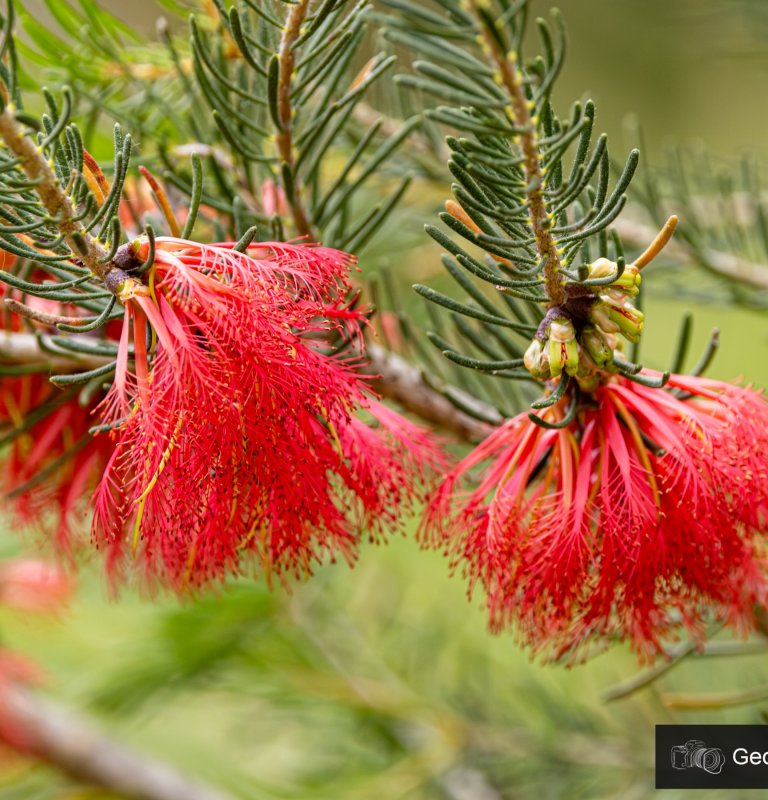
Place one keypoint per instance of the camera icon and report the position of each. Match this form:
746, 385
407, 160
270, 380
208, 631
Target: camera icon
695, 753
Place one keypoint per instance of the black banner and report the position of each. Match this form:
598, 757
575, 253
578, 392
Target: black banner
712, 756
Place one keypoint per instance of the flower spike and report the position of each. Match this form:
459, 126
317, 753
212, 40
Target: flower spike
234, 432
637, 517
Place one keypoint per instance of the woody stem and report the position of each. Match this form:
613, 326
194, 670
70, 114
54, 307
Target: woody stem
286, 64
55, 735
510, 78
56, 201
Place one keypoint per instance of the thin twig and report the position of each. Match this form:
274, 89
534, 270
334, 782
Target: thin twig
647, 677
399, 380
391, 375
57, 202
36, 315
510, 78
284, 137
77, 748
53, 197
25, 348
703, 702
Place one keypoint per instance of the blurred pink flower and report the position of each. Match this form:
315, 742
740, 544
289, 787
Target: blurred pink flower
31, 585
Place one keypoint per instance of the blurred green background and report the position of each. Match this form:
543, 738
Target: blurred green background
382, 681
690, 69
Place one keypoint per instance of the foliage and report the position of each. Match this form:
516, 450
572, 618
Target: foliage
276, 120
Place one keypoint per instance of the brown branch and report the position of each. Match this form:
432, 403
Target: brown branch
510, 78
394, 378
284, 139
24, 348
74, 746
391, 375
57, 202
399, 380
683, 701
36, 315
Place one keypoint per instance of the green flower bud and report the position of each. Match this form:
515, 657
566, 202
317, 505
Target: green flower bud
600, 316
628, 282
536, 360
562, 347
614, 314
628, 319
602, 268
590, 381
597, 345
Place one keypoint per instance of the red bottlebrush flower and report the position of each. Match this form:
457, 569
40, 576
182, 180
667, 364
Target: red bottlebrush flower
234, 432
639, 519
52, 462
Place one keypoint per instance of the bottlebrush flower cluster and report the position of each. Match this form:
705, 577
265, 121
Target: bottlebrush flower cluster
51, 462
589, 534
626, 505
232, 427
234, 430
52, 466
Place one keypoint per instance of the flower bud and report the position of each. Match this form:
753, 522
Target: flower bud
536, 360
628, 281
597, 345
616, 315
616, 297
562, 347
599, 315
629, 320
590, 381
602, 268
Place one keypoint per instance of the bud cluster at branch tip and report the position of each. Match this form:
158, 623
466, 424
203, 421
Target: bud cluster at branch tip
583, 336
